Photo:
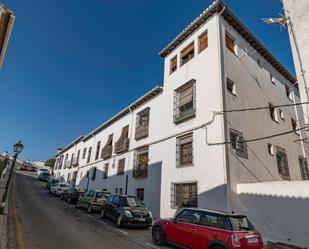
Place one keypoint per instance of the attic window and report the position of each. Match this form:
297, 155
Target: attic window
203, 41
230, 42
173, 64
187, 54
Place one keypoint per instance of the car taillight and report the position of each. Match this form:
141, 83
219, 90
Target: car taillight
252, 239
235, 240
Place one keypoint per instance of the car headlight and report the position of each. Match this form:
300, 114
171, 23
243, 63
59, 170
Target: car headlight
150, 215
128, 213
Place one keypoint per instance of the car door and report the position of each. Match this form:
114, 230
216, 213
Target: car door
114, 206
108, 204
83, 199
182, 230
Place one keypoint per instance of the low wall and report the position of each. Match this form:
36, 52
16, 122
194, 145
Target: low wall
279, 210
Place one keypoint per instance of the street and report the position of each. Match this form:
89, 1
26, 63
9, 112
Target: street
49, 223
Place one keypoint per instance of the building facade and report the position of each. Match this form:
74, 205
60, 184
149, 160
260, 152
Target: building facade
227, 114
7, 19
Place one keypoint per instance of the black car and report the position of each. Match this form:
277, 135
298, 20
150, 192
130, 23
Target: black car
126, 210
44, 177
50, 182
71, 195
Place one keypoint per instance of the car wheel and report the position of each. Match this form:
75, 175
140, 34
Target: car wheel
102, 213
118, 221
158, 236
89, 209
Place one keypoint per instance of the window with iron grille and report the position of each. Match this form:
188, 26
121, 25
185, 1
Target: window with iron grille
183, 195
238, 144
203, 41
282, 163
230, 42
140, 164
84, 153
184, 102
303, 168
173, 64
97, 150
121, 164
140, 193
184, 151
142, 124
89, 154
187, 54
105, 172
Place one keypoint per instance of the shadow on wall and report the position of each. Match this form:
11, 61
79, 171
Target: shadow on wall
214, 199
150, 183
279, 218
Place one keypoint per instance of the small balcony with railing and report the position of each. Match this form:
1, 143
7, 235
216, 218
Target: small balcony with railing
122, 145
141, 131
107, 152
75, 161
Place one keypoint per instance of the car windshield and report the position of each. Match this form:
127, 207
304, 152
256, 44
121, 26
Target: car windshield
64, 185
102, 195
240, 223
45, 174
132, 202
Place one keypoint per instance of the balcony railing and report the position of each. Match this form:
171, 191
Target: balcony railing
75, 161
140, 172
122, 145
182, 115
141, 131
107, 152
67, 164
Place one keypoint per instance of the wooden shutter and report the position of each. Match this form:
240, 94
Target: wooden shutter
173, 64
4, 21
229, 43
186, 95
203, 41
125, 131
121, 164
187, 50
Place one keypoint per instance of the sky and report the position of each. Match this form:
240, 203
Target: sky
72, 64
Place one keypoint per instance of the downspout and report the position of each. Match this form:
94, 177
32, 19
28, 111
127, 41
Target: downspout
129, 151
226, 166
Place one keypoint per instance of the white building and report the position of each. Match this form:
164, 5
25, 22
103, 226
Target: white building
177, 145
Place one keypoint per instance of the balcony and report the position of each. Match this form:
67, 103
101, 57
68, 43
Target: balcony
141, 131
67, 164
140, 172
107, 152
75, 161
122, 145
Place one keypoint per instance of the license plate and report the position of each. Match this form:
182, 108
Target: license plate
140, 219
252, 240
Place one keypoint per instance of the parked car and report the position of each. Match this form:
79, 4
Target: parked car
58, 188
44, 177
71, 195
51, 182
39, 171
92, 200
199, 228
126, 210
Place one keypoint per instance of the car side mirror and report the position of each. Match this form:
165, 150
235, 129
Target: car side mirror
175, 220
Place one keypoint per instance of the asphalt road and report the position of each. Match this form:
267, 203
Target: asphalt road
49, 223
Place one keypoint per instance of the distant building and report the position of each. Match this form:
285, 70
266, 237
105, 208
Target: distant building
7, 19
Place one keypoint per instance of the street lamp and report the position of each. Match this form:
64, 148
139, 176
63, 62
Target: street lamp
18, 148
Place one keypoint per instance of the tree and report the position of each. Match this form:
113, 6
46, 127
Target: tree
50, 162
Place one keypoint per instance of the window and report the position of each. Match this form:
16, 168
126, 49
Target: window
120, 191
272, 78
97, 150
282, 163
142, 124
295, 126
121, 164
203, 41
93, 173
140, 193
187, 54
116, 190
84, 153
183, 195
122, 144
273, 113
189, 216
89, 154
289, 92
230, 85
184, 151
173, 64
107, 150
238, 144
281, 114
303, 168
105, 172
212, 220
230, 42
140, 164
184, 102
271, 149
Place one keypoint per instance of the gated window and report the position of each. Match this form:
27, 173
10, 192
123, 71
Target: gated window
140, 164
142, 124
105, 172
97, 150
238, 144
273, 113
121, 163
184, 102
203, 41
93, 173
116, 190
120, 191
173, 64
84, 153
140, 193
89, 154
282, 163
184, 150
187, 54
303, 168
230, 42
183, 195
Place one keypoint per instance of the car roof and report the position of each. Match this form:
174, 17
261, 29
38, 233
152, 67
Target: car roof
213, 211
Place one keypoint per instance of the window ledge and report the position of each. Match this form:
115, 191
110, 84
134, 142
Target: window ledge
183, 119
184, 166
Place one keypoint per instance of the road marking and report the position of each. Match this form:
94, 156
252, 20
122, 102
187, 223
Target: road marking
152, 246
19, 237
124, 232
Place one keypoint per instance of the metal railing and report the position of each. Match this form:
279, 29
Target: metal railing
141, 131
107, 152
122, 145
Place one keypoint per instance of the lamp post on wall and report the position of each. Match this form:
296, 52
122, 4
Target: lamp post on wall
18, 148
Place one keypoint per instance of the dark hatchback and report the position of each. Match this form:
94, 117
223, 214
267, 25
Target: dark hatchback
44, 177
71, 195
126, 211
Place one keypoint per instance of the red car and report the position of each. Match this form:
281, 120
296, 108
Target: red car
206, 229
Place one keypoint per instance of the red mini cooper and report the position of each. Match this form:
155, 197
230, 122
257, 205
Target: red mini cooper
206, 229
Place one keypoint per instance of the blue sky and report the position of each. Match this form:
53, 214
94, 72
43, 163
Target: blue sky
72, 64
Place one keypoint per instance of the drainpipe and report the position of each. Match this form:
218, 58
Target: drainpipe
129, 152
